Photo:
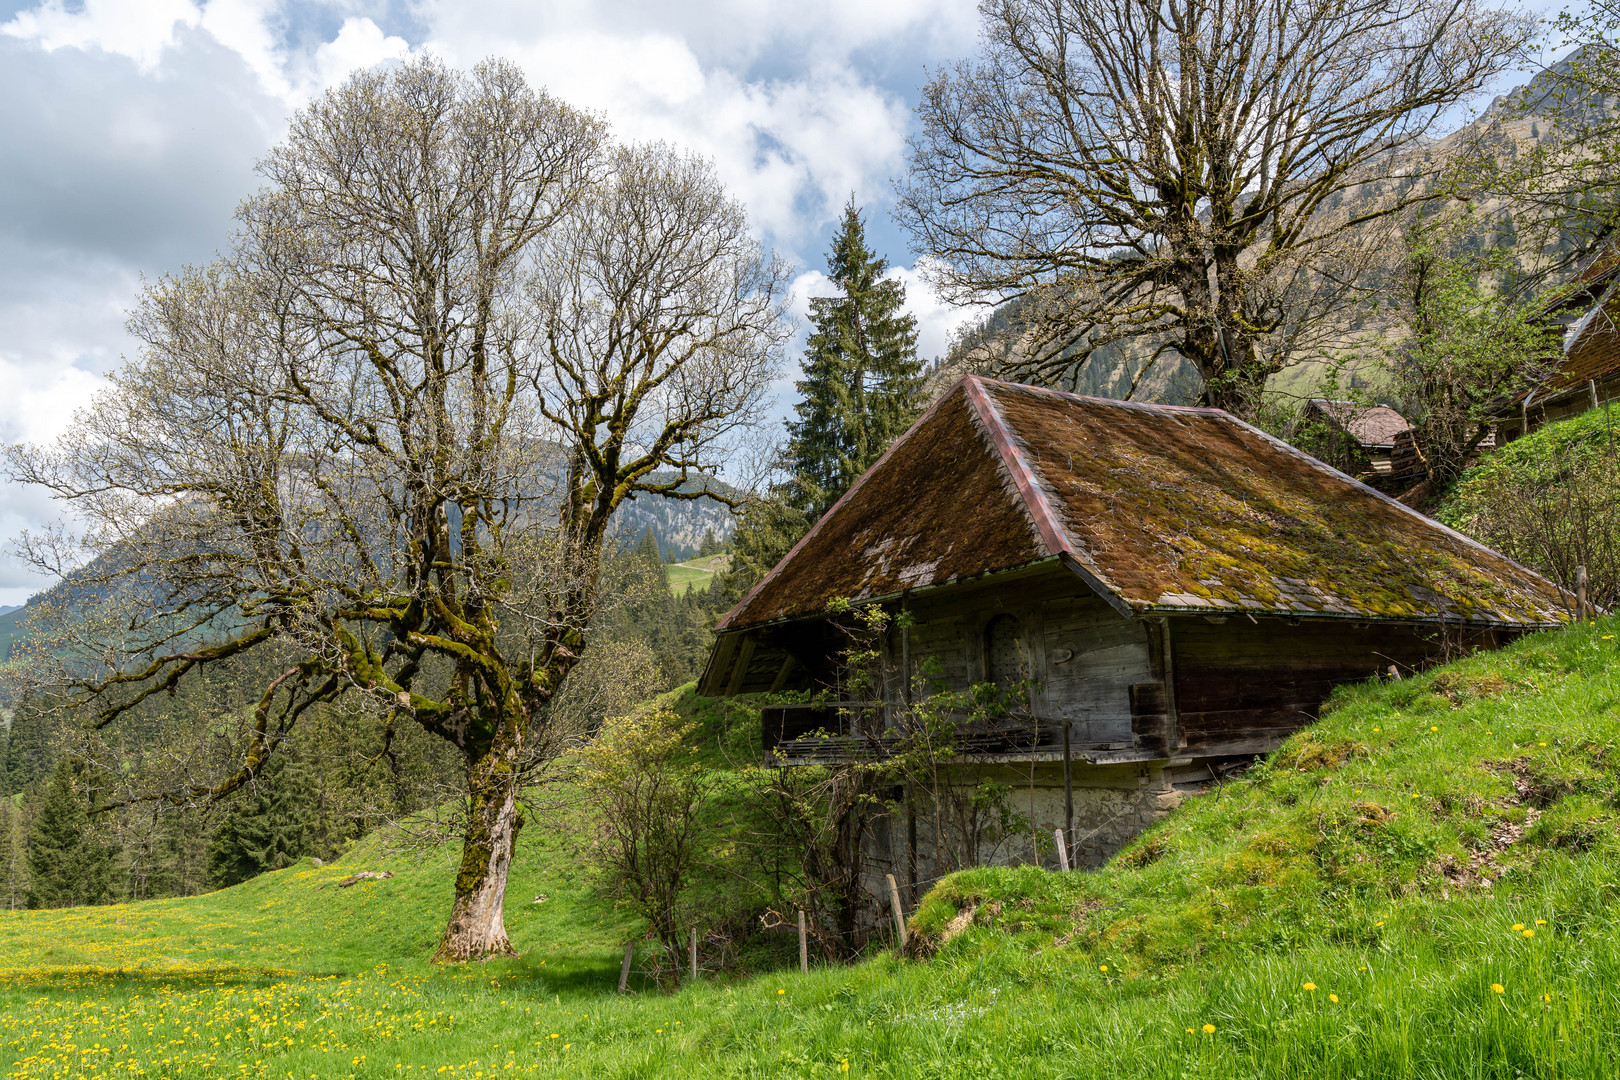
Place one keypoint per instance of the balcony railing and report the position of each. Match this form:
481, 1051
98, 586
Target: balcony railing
841, 731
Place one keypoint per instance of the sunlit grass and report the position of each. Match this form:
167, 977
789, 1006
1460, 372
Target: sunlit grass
1324, 917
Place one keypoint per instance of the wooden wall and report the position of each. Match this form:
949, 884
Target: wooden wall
1235, 686
1241, 686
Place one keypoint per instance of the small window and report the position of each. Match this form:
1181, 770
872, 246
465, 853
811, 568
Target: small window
1006, 661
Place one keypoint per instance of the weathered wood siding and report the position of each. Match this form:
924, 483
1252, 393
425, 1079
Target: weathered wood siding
1241, 687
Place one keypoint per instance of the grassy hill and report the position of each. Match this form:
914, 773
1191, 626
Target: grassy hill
1424, 884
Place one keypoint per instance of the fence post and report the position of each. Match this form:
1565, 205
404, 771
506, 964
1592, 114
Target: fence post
1062, 849
694, 954
899, 912
1582, 610
624, 969
804, 947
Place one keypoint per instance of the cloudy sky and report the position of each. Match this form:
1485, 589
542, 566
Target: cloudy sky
130, 130
131, 127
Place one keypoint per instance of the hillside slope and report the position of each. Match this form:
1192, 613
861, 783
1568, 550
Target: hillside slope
1325, 916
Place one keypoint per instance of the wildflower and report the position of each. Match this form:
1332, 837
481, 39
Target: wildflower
1518, 926
1310, 986
1380, 923
781, 991
1209, 1029
1541, 922
843, 1066
1546, 997
1529, 933
1434, 729
1189, 1031
1103, 967
1541, 744
1333, 998
1497, 988
1378, 729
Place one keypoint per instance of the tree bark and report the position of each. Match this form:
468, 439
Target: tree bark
477, 926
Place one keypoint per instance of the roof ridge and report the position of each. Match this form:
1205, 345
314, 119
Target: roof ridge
1036, 504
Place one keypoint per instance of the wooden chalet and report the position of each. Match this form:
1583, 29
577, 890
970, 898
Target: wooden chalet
1588, 374
1183, 590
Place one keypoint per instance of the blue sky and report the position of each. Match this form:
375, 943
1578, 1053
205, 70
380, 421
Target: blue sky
130, 129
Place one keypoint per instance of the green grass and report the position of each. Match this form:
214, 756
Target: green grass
1353, 861
699, 572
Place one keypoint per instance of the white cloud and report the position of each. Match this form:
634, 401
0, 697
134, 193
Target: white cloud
140, 30
360, 43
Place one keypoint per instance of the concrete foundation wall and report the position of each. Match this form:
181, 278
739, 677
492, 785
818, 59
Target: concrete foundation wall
1112, 806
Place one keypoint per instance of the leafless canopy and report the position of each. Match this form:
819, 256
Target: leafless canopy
1190, 173
385, 435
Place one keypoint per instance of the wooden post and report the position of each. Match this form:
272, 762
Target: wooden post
694, 954
1581, 609
1068, 781
624, 969
1062, 850
899, 912
804, 947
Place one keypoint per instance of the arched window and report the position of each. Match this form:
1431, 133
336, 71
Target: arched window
1005, 661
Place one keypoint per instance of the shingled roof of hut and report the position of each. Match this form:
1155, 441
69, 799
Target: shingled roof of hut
1159, 508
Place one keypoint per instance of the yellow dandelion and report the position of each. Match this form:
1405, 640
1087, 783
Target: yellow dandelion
843, 1066
1529, 933
1379, 923
1209, 1029
1378, 729
1434, 729
1541, 922
1102, 967
1546, 997
1518, 926
1189, 1031
1497, 988
1310, 986
1541, 744
781, 991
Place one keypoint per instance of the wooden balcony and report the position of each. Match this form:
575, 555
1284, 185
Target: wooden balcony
844, 731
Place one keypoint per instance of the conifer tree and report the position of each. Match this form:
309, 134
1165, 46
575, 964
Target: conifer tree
28, 753
67, 865
268, 828
862, 378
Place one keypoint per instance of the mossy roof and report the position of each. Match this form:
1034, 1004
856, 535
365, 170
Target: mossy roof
1158, 508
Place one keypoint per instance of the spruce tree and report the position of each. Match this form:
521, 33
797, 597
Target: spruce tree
269, 827
862, 378
28, 750
67, 864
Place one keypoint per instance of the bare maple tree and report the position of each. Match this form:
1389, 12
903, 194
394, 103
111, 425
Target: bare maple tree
1191, 175
384, 437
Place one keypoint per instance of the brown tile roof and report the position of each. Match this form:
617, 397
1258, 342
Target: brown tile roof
1375, 425
1159, 508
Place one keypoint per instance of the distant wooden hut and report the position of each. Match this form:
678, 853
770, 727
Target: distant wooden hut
1366, 434
1182, 589
1587, 374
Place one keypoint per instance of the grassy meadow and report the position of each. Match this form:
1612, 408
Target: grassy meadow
1425, 884
698, 572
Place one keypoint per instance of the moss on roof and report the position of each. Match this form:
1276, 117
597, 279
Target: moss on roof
1165, 508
